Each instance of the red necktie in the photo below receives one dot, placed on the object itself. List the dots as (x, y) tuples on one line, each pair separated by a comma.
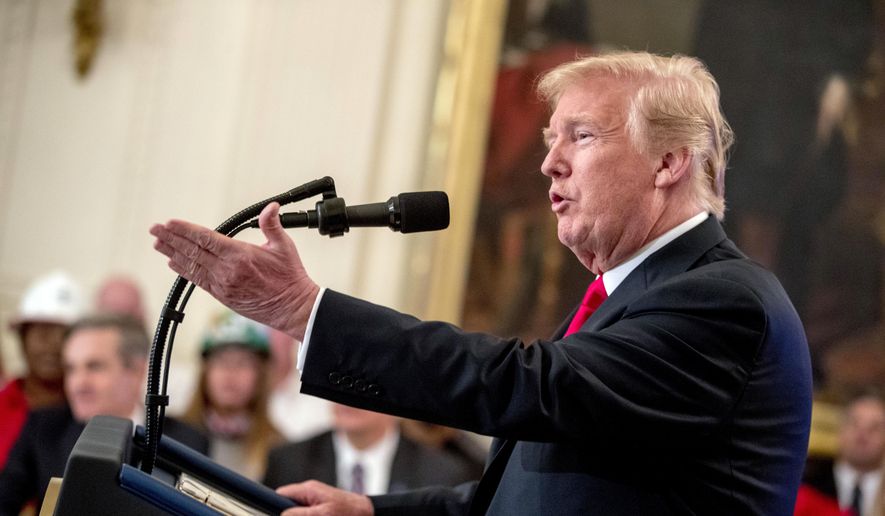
[(592, 299)]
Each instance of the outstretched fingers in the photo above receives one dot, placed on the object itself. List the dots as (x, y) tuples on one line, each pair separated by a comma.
[(191, 249), (265, 283), (194, 273)]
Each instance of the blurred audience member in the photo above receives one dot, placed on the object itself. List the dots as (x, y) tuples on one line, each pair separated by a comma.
[(879, 503), (105, 361), (451, 440), (366, 454), (50, 304), (298, 416), (120, 295), (230, 403), (853, 478)]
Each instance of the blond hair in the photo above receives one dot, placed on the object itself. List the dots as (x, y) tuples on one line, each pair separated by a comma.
[(676, 105)]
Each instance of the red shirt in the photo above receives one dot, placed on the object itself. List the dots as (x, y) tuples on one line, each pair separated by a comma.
[(13, 413)]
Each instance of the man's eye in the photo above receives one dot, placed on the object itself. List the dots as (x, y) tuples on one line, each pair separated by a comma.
[(582, 135)]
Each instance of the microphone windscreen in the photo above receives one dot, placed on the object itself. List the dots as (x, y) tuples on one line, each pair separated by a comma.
[(423, 211)]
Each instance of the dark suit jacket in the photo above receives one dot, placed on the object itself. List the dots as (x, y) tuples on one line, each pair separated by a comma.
[(42, 449), (687, 392), (413, 465)]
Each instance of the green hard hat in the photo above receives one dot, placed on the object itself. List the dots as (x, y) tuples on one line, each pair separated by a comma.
[(231, 329)]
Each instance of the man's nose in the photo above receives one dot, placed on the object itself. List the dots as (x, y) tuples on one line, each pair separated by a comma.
[(554, 164)]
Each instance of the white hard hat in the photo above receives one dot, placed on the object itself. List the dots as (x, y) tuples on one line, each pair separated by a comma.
[(53, 298)]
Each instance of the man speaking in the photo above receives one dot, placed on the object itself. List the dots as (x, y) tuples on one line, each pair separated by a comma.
[(680, 385)]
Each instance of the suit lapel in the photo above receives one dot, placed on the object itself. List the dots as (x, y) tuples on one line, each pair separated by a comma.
[(404, 466), (674, 258), (323, 462), (491, 477), (563, 326)]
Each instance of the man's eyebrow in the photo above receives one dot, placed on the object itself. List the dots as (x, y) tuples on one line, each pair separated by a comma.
[(579, 119)]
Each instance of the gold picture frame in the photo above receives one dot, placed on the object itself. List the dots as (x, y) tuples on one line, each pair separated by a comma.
[(456, 151)]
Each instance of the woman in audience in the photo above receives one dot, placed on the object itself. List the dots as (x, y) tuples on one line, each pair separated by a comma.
[(230, 402)]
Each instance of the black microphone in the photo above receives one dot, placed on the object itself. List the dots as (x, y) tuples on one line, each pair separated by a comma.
[(410, 212)]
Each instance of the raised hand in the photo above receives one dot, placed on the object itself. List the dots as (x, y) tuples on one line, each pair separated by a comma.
[(266, 283)]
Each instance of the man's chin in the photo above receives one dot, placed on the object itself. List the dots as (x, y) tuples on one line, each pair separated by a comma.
[(571, 239), (83, 414), (564, 233)]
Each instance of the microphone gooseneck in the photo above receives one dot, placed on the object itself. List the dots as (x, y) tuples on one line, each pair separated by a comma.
[(407, 212), (172, 315)]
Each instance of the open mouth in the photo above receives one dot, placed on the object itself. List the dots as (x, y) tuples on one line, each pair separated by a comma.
[(557, 202)]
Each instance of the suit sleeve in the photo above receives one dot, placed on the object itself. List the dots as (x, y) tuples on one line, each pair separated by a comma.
[(676, 359), (429, 501)]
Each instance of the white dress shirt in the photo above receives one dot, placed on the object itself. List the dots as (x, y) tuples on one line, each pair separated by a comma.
[(846, 477), (611, 279), (376, 461)]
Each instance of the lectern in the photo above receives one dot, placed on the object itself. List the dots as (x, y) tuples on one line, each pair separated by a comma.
[(102, 478)]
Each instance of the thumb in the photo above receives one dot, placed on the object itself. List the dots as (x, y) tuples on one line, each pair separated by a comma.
[(269, 222)]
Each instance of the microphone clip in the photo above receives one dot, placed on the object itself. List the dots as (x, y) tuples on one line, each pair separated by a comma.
[(331, 215)]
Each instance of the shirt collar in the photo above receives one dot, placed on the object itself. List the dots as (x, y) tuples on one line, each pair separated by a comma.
[(376, 461), (846, 477), (611, 279)]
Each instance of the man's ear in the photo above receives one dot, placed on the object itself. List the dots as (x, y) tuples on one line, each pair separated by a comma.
[(672, 167)]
